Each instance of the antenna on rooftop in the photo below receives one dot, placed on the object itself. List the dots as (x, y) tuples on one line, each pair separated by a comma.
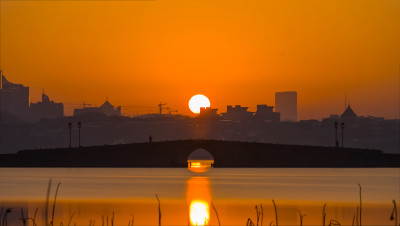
[(345, 99)]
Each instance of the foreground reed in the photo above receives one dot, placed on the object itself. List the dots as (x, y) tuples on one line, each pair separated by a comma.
[(356, 221)]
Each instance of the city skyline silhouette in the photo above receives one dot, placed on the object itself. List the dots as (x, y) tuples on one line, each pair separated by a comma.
[(139, 53), (199, 112)]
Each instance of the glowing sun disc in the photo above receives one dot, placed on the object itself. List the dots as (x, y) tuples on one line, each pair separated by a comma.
[(198, 101)]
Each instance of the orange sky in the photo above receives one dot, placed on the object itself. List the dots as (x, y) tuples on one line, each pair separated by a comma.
[(139, 53)]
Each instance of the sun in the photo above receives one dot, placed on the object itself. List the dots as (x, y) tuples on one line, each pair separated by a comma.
[(198, 101)]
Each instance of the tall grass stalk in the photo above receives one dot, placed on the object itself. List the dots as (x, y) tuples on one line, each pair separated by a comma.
[(5, 216), (46, 210), (1, 212), (301, 217), (159, 211), (23, 217), (334, 223), (54, 204), (393, 216), (34, 217), (216, 213), (357, 215), (276, 213), (323, 214), (249, 222), (257, 214), (70, 218), (360, 203)]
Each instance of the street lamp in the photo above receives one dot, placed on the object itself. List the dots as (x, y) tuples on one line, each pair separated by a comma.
[(336, 140), (342, 125), (70, 127), (79, 131)]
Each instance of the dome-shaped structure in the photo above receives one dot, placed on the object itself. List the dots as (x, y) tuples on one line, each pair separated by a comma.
[(199, 160), (200, 154)]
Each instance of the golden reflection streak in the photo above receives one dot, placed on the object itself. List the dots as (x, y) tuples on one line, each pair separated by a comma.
[(199, 166), (199, 198), (199, 213)]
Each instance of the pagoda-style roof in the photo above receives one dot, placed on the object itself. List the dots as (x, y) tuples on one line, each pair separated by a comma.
[(107, 105), (349, 113)]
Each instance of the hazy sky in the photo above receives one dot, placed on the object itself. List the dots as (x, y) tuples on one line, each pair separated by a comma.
[(139, 53)]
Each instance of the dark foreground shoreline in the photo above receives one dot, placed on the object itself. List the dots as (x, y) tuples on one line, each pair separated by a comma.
[(226, 154)]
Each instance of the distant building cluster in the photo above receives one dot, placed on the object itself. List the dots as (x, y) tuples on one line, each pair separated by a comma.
[(103, 125), (14, 104), (105, 109), (286, 110), (238, 113), (46, 109)]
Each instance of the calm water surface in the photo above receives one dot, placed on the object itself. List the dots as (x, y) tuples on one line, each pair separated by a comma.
[(90, 195)]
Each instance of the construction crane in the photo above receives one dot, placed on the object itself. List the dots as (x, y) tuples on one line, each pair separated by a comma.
[(160, 107), (83, 104), (171, 111), (138, 108)]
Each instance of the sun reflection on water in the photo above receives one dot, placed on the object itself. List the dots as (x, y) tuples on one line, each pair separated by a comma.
[(199, 213), (199, 198)]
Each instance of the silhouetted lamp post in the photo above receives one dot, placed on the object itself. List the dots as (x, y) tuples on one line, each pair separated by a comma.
[(336, 140), (342, 125), (79, 134), (70, 127)]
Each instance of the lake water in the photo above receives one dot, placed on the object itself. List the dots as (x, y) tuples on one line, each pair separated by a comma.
[(90, 196)]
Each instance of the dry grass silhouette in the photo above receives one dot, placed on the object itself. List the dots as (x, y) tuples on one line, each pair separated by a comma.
[(356, 220)]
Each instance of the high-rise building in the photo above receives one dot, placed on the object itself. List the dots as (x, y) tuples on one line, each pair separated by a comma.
[(14, 99), (237, 113), (207, 112), (46, 109), (286, 104), (266, 113)]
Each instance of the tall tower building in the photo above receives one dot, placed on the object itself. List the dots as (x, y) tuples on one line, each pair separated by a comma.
[(286, 104), (14, 99)]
